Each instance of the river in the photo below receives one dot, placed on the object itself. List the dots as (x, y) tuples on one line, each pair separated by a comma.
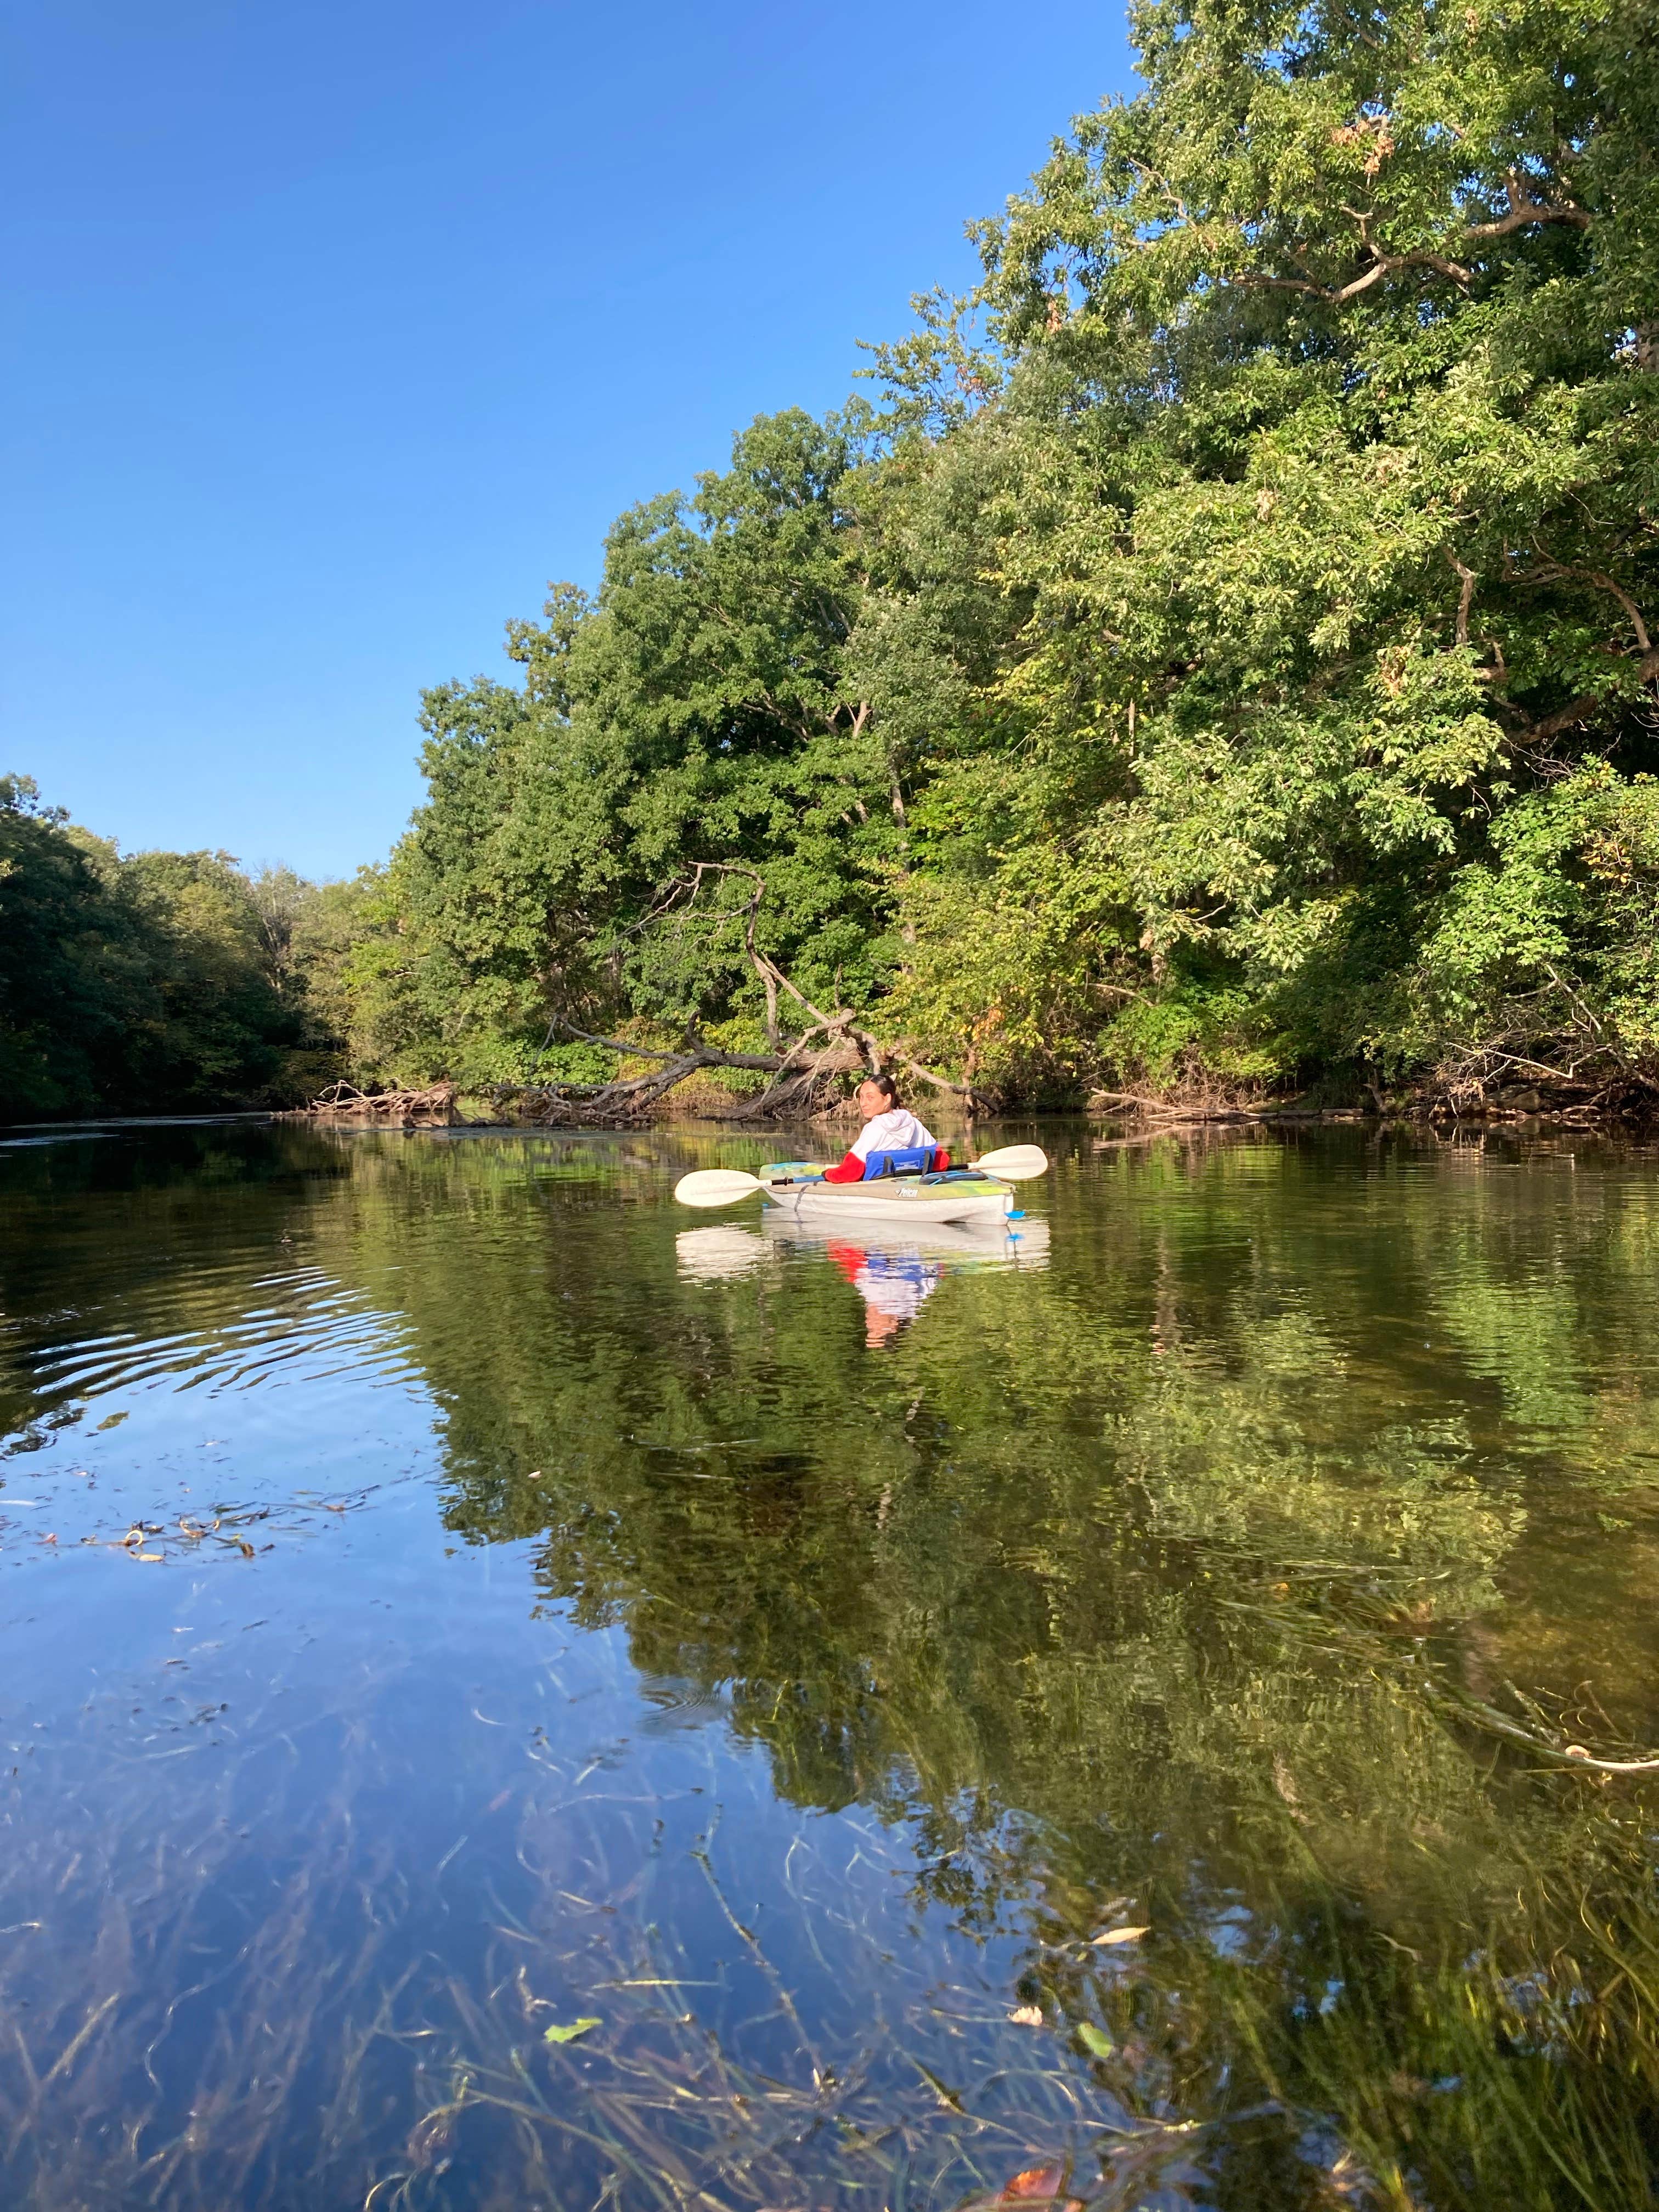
[(514, 1694)]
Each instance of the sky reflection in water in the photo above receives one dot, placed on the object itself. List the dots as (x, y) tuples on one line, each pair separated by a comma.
[(452, 1597)]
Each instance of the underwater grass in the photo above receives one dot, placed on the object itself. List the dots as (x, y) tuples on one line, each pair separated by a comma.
[(187, 2029)]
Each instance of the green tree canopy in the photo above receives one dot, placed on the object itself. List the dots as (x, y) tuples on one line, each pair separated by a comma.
[(160, 982), (1222, 655), (1321, 490), (1231, 659), (698, 709)]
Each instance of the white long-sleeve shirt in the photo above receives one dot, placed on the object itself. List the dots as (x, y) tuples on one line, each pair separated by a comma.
[(895, 1131)]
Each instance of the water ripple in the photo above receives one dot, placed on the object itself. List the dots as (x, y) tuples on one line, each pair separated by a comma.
[(300, 1325)]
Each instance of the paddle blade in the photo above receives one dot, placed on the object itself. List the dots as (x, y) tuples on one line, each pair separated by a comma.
[(1016, 1162), (714, 1187)]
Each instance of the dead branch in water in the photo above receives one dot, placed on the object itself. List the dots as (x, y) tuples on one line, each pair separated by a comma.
[(803, 1079), (432, 1108), (1188, 1105), (629, 1098)]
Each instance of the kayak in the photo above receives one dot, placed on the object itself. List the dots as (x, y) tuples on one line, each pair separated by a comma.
[(981, 1191), (798, 1188)]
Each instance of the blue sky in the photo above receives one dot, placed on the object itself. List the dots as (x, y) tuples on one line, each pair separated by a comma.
[(337, 330)]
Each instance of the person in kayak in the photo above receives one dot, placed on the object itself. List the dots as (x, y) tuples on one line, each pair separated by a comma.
[(889, 1127)]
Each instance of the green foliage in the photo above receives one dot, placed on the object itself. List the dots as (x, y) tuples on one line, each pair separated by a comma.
[(163, 983), (695, 711), (1326, 466), (59, 1017), (1557, 927), (1222, 656)]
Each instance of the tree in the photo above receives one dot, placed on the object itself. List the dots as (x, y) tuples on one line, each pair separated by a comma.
[(162, 982), (1323, 488), (698, 710), (1180, 675), (1223, 658), (60, 1014)]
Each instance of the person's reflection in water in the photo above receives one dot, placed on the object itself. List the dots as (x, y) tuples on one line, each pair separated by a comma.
[(891, 1283)]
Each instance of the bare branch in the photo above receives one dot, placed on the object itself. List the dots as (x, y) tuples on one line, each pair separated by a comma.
[(1464, 598), (1384, 265), (1591, 703), (1606, 584), (1525, 210), (1550, 571), (1587, 706)]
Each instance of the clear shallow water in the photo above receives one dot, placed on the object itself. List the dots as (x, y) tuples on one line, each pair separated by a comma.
[(447, 1592)]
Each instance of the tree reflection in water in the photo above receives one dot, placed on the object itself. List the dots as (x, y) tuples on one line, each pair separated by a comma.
[(806, 1715)]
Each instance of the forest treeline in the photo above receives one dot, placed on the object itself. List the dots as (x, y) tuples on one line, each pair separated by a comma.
[(1215, 655), (159, 982)]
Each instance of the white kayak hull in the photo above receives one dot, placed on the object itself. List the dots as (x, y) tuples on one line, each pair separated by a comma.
[(894, 1202)]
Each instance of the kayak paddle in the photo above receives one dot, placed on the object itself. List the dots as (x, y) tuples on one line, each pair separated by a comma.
[(1014, 1163), (715, 1187), (721, 1186)]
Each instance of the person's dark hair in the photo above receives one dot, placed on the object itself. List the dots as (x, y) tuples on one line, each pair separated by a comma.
[(886, 1085)]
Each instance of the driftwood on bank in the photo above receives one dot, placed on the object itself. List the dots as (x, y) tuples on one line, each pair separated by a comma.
[(1581, 1078), (1502, 1080), (432, 1108)]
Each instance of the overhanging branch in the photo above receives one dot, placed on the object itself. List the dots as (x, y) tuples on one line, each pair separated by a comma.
[(1525, 212), (834, 1043)]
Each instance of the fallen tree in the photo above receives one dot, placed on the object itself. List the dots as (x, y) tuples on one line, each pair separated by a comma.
[(806, 1069), (799, 1083), (804, 1075), (433, 1107)]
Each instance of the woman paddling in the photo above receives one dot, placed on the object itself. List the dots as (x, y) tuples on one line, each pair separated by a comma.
[(888, 1128)]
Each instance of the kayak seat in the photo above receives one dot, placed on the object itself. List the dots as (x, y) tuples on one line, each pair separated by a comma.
[(914, 1159)]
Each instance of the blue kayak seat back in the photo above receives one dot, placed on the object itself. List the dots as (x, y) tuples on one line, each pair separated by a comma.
[(915, 1159)]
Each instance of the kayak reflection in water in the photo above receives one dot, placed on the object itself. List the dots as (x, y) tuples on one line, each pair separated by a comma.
[(892, 1284), (893, 1275)]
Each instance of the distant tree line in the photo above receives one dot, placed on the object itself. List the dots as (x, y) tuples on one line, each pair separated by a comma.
[(1220, 653), (160, 982)]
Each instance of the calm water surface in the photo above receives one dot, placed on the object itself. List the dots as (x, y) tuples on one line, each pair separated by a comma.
[(996, 1722)]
